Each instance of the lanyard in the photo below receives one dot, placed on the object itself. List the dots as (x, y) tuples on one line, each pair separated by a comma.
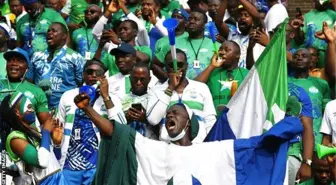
[(87, 39), (196, 54)]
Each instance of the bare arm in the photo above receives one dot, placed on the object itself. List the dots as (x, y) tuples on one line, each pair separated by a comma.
[(221, 26), (307, 137), (105, 126)]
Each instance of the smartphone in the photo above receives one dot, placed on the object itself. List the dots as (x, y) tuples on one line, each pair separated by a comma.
[(137, 106), (299, 12)]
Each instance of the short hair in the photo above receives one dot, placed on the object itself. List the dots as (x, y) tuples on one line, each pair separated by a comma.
[(64, 28), (205, 17), (178, 51), (141, 65), (235, 44), (134, 25), (94, 61)]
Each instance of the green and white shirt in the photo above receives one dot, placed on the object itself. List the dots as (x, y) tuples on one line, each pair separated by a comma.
[(319, 93), (75, 9), (33, 34), (196, 96)]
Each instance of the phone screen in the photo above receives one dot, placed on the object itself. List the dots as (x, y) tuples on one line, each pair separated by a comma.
[(137, 106)]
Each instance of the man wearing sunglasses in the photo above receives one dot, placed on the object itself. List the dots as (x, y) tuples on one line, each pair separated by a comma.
[(82, 38), (120, 83), (179, 89), (79, 148)]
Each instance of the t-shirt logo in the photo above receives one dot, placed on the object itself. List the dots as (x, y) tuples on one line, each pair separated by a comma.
[(193, 94), (313, 90)]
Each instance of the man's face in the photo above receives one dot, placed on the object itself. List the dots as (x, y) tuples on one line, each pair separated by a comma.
[(92, 14), (125, 32), (244, 21), (213, 7), (321, 172), (181, 62), (147, 6), (231, 55), (177, 120), (314, 57), (16, 67), (140, 78), (92, 73), (180, 19), (55, 36), (196, 22), (15, 7), (33, 9), (125, 62), (301, 59), (54, 4)]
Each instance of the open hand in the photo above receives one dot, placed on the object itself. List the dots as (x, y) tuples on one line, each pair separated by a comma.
[(110, 35), (113, 7), (216, 62), (261, 37), (327, 33), (103, 87)]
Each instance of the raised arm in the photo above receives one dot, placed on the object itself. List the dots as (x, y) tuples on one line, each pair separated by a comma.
[(105, 126), (221, 26)]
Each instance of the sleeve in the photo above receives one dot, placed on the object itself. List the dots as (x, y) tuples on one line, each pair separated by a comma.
[(161, 28), (18, 30), (142, 37), (42, 102), (157, 105), (116, 113), (307, 107), (209, 109), (326, 126), (67, 7), (79, 60), (147, 51), (97, 30), (31, 69)]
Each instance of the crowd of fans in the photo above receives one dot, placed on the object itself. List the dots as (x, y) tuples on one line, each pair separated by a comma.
[(116, 55)]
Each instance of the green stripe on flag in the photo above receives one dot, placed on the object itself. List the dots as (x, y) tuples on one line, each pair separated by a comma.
[(272, 64), (70, 118)]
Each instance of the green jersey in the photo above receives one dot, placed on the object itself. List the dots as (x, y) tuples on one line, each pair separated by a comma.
[(33, 33), (311, 182), (162, 46), (84, 42), (4, 9), (199, 53), (221, 83), (319, 94), (109, 60), (33, 92), (75, 9), (313, 23), (172, 5), (3, 62)]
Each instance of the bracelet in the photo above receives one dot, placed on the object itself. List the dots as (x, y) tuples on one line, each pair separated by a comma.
[(168, 92)]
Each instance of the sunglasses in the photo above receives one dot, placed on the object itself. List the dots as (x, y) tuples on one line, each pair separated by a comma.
[(179, 65), (97, 72), (91, 11)]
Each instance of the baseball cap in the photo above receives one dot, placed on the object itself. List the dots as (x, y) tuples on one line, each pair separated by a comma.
[(182, 12), (17, 52), (124, 48)]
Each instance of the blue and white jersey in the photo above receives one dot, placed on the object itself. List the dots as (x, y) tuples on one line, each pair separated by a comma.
[(62, 73), (83, 148)]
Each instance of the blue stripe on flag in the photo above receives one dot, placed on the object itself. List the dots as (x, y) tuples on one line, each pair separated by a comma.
[(265, 156), (67, 132), (221, 129), (195, 181)]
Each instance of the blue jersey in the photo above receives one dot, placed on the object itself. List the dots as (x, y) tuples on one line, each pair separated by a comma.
[(83, 147), (62, 73)]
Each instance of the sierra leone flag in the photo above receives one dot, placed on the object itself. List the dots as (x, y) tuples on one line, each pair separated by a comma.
[(128, 158), (261, 99)]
